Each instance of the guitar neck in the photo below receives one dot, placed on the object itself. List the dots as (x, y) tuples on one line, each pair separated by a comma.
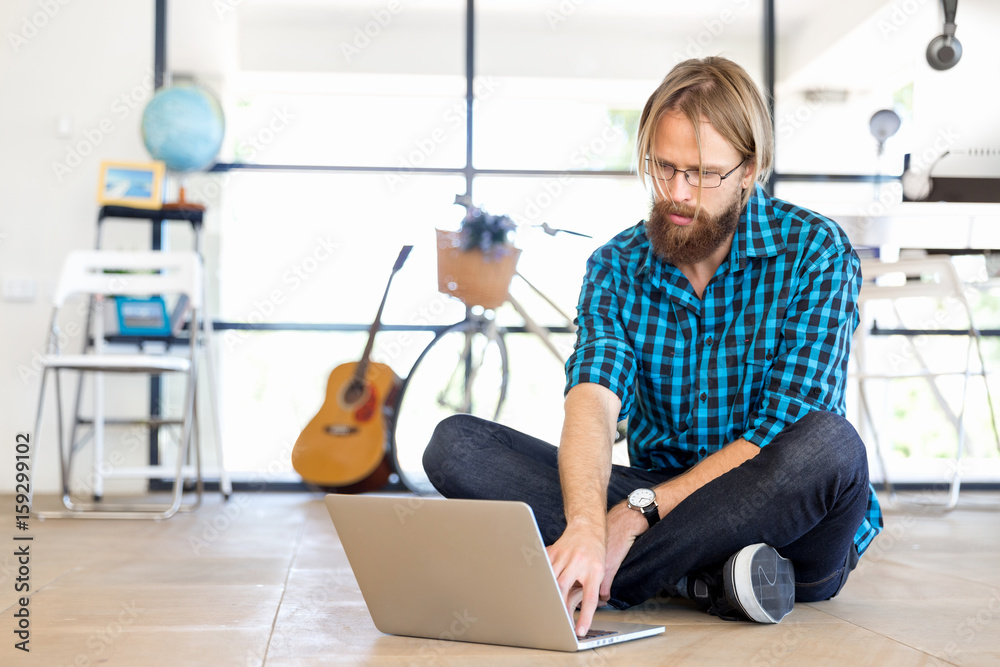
[(362, 368)]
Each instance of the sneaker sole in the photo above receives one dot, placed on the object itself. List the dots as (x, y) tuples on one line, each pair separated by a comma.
[(761, 582)]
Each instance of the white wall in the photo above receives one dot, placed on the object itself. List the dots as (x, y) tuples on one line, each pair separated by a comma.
[(92, 62)]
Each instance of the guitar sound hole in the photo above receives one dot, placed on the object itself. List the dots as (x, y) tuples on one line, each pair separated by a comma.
[(354, 391)]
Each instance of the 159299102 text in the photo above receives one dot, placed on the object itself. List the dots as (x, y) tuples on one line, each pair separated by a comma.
[(22, 542)]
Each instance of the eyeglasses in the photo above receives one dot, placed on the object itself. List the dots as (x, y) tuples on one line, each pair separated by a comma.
[(696, 178)]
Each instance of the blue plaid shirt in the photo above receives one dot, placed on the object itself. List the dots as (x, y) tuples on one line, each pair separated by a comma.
[(766, 344)]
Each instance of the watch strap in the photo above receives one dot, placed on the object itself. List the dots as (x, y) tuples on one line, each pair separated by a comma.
[(652, 514)]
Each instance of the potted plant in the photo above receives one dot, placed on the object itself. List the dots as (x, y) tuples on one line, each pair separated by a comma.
[(477, 262)]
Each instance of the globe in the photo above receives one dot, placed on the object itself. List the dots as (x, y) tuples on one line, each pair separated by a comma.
[(183, 126)]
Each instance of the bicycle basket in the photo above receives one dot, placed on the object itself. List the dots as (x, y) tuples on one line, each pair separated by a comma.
[(471, 276)]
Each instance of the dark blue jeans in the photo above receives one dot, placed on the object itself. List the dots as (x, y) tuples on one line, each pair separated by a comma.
[(804, 494)]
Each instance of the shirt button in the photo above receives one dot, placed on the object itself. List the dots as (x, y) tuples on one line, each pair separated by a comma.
[(768, 356), (703, 397), (702, 451), (708, 341)]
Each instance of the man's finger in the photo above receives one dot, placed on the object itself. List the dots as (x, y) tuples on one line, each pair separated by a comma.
[(565, 590), (575, 598), (587, 607)]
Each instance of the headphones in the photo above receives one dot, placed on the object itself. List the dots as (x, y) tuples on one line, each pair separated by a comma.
[(945, 51)]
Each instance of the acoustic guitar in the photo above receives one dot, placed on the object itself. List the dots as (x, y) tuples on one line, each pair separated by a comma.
[(344, 446)]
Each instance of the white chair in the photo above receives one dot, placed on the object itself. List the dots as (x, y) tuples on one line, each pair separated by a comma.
[(100, 275), (932, 277)]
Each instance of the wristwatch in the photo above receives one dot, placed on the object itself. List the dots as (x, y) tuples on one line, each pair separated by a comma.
[(644, 501)]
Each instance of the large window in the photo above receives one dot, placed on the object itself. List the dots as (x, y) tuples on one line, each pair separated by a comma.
[(349, 133), (358, 112)]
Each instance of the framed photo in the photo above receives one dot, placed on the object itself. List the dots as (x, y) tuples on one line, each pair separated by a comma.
[(142, 317), (138, 184)]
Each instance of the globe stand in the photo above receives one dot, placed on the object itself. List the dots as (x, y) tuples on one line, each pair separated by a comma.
[(182, 204)]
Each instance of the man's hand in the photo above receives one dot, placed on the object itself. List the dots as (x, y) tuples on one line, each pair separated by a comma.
[(624, 525), (578, 557), (578, 560)]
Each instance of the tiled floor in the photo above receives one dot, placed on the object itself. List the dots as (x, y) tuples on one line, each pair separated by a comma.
[(263, 580)]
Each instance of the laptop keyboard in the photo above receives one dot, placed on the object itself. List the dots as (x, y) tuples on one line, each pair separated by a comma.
[(593, 634)]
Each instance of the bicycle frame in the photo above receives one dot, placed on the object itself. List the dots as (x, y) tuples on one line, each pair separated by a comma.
[(543, 333)]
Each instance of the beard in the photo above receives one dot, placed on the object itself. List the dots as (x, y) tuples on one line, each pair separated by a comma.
[(692, 243)]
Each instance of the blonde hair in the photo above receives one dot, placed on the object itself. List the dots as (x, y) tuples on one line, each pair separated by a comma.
[(721, 92)]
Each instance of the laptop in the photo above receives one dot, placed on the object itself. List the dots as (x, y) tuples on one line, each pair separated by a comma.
[(462, 570)]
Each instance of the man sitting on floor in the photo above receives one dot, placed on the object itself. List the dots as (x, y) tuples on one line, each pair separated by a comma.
[(721, 328)]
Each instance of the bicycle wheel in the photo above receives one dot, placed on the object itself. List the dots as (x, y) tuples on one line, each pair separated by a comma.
[(463, 370)]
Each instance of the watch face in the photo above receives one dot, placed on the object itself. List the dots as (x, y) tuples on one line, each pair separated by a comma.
[(641, 497)]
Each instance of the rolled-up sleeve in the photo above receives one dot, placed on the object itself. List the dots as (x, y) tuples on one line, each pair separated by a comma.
[(603, 354), (809, 372)]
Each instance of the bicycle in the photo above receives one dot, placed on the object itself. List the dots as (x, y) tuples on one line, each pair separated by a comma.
[(473, 353)]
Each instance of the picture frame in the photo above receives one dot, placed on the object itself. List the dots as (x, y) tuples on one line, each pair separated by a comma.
[(142, 317), (136, 184)]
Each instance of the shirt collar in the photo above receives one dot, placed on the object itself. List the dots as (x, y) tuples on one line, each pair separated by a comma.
[(762, 230)]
